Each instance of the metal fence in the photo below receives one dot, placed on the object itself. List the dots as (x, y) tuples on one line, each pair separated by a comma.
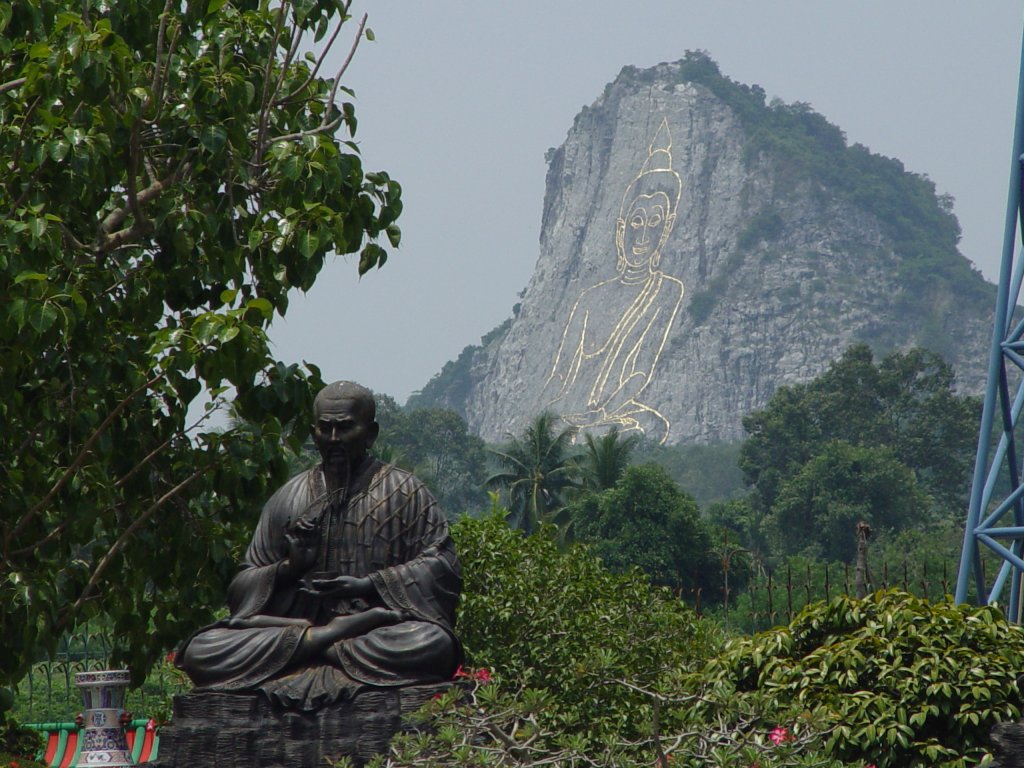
[(48, 692), (774, 597)]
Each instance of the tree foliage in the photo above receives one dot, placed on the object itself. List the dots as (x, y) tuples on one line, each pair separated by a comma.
[(537, 468), (921, 561), (820, 506), (646, 521), (708, 472), (605, 458), (436, 445), (495, 724), (889, 441), (170, 171), (561, 623), (891, 680), (894, 679)]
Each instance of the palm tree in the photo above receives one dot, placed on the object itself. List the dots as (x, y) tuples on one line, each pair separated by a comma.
[(605, 458), (536, 469)]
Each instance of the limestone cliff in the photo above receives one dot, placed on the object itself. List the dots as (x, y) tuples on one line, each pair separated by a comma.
[(698, 249)]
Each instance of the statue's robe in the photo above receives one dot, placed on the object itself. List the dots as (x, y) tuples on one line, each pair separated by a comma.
[(387, 527)]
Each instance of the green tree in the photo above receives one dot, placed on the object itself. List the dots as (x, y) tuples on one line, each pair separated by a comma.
[(494, 723), (746, 527), (709, 472), (936, 429), (605, 458), (820, 506), (536, 470), (584, 668), (646, 521), (859, 428), (782, 438), (171, 171), (436, 444)]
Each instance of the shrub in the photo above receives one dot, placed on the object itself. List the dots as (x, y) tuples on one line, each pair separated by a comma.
[(19, 745), (560, 623), (894, 680), (485, 725)]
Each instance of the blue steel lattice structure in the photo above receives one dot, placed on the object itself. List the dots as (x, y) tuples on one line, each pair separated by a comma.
[(995, 517)]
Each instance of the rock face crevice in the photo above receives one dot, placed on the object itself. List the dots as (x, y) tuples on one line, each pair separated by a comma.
[(783, 261)]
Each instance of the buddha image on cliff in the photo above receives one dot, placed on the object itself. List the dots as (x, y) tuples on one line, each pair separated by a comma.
[(607, 359)]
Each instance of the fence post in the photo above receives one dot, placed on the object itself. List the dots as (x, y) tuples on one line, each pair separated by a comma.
[(789, 593), (807, 586)]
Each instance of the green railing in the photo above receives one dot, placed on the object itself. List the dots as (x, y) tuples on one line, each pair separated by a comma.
[(48, 693)]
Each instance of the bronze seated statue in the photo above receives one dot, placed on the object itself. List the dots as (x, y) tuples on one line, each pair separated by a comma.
[(350, 580)]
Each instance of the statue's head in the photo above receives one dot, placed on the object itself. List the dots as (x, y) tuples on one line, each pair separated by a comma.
[(345, 424), (648, 209)]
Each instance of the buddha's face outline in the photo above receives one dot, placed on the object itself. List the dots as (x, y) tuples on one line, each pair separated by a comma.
[(640, 234)]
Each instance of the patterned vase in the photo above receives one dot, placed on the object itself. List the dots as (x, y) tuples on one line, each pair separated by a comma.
[(103, 740)]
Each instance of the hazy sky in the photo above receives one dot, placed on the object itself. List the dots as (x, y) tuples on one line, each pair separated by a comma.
[(460, 100)]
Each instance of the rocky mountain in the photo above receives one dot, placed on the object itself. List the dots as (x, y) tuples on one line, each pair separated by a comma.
[(699, 248)]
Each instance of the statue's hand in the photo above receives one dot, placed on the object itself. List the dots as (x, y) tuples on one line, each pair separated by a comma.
[(342, 586), (303, 540)]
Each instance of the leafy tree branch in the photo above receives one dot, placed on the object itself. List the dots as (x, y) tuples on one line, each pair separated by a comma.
[(142, 258)]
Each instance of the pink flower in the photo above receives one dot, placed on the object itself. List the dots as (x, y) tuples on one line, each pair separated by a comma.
[(482, 675), (169, 658), (150, 725), (779, 735)]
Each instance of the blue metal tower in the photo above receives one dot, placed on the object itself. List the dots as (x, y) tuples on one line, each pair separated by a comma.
[(996, 522)]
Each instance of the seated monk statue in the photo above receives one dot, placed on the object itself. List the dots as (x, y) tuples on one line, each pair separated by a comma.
[(351, 578)]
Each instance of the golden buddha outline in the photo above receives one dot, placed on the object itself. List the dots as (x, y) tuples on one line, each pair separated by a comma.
[(608, 369)]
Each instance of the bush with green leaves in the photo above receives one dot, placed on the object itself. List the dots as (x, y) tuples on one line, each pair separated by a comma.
[(560, 622), (491, 724), (596, 669), (894, 680), (18, 745)]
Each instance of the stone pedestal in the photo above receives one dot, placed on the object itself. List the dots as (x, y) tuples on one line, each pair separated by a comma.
[(246, 731)]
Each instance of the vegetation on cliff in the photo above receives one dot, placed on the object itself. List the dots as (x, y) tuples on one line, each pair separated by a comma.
[(803, 146)]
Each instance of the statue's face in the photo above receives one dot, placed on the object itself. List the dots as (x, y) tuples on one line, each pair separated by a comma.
[(344, 430), (645, 228)]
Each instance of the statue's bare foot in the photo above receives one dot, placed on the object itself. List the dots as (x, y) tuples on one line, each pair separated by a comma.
[(341, 627), (318, 639)]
